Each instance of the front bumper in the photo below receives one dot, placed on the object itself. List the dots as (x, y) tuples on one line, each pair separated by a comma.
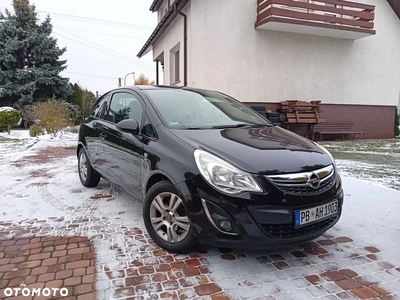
[(258, 221)]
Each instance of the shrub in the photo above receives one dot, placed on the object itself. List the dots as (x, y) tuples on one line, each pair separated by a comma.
[(52, 115), (396, 124), (26, 115), (35, 130), (8, 118)]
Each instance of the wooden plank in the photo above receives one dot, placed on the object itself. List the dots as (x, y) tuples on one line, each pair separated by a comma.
[(275, 11), (366, 15)]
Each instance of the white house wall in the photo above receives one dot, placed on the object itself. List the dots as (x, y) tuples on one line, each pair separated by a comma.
[(170, 38), (228, 54)]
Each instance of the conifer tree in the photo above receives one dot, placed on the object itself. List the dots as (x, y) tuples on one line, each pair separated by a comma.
[(29, 58)]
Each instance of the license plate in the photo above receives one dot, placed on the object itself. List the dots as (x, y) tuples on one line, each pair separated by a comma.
[(314, 214)]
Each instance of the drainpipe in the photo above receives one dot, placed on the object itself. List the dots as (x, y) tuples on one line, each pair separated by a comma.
[(184, 44)]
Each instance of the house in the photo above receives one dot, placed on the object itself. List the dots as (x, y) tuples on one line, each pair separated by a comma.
[(345, 54)]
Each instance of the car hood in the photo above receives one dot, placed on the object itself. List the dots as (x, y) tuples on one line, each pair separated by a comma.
[(263, 150)]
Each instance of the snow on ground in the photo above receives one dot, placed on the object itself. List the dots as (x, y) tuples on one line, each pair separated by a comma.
[(377, 162), (42, 195)]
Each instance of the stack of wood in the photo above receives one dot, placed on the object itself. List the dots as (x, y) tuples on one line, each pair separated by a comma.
[(302, 112)]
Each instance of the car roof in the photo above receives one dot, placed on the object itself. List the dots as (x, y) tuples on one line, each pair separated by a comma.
[(156, 87)]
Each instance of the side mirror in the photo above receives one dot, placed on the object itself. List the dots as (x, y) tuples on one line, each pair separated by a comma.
[(129, 125)]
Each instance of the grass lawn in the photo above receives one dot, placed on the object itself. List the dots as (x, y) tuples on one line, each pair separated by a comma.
[(376, 161)]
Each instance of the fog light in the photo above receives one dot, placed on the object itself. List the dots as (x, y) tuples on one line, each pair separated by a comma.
[(225, 225)]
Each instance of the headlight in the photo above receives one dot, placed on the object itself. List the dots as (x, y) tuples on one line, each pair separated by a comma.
[(223, 176)]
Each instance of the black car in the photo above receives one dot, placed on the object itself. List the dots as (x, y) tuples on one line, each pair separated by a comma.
[(209, 169)]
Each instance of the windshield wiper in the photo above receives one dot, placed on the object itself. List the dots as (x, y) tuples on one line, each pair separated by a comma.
[(239, 126), (194, 128)]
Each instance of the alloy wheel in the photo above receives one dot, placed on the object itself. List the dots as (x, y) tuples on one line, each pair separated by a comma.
[(169, 218), (83, 167)]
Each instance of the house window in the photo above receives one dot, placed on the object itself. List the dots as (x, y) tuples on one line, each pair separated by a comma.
[(176, 67)]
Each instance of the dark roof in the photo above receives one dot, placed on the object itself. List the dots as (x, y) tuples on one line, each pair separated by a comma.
[(155, 5), (395, 4), (171, 14), (162, 25)]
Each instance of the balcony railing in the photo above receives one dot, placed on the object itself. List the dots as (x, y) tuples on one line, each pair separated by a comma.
[(331, 14)]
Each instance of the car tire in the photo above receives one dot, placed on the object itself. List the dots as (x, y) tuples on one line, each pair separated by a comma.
[(88, 178), (161, 221)]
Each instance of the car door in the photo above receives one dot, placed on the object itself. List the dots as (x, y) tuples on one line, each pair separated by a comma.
[(121, 151), (92, 132)]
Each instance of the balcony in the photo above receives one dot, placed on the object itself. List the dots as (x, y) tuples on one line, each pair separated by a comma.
[(331, 18)]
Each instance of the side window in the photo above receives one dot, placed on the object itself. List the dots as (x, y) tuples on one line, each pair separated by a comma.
[(96, 108), (148, 129), (125, 106), (100, 107), (102, 111)]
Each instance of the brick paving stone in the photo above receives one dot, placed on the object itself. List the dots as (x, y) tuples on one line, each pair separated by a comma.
[(64, 274), (72, 281), (372, 249), (281, 265), (169, 295), (78, 264), (333, 276), (314, 279), (207, 289), (83, 289), (228, 256), (56, 268), (343, 239), (326, 242), (190, 271), (146, 270), (136, 280), (46, 277), (192, 262), (158, 277), (348, 284), (365, 293), (79, 272), (379, 288), (298, 254), (50, 261), (177, 265), (348, 273), (89, 278), (35, 263)]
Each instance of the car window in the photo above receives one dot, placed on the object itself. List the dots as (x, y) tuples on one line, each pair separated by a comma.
[(192, 109), (102, 111), (148, 129), (98, 105), (125, 106)]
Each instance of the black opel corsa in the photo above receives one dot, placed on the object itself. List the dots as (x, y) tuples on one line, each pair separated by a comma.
[(209, 169)]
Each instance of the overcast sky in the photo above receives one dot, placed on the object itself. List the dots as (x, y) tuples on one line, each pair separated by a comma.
[(98, 47)]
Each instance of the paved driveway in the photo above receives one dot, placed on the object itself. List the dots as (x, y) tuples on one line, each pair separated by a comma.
[(55, 233)]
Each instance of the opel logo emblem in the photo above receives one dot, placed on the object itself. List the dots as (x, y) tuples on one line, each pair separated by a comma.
[(314, 181)]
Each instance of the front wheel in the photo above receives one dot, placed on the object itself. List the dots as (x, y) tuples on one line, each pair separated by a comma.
[(86, 173), (166, 219)]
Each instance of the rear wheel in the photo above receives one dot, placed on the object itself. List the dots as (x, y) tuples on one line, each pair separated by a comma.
[(86, 173), (166, 219)]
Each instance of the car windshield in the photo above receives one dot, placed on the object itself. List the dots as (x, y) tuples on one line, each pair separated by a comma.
[(184, 109)]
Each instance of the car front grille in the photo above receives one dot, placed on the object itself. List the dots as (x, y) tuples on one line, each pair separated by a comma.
[(302, 184), (288, 231), (306, 190)]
